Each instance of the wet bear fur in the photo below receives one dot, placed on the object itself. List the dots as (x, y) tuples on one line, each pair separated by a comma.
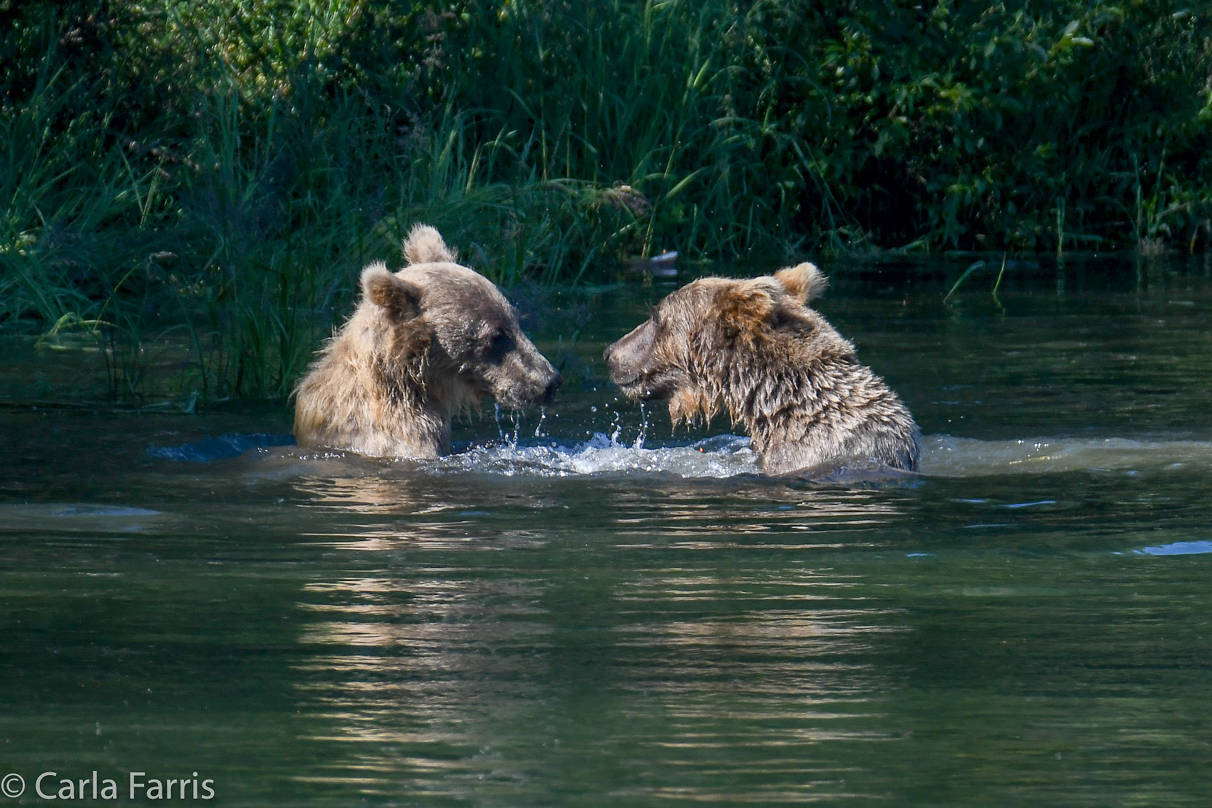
[(756, 349), (424, 343)]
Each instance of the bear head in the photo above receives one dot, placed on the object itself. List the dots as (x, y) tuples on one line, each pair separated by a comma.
[(449, 333), (705, 335)]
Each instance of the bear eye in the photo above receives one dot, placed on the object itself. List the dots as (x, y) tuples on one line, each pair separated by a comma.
[(502, 342)]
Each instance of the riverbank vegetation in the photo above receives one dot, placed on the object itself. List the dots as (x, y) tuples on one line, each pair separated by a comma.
[(219, 171)]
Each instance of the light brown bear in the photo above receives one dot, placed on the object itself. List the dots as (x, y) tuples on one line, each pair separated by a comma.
[(755, 348), (423, 344)]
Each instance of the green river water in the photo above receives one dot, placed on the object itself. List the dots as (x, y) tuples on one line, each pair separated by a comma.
[(583, 608)]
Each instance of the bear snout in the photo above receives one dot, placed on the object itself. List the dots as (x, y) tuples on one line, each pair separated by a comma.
[(546, 379), (627, 358), (528, 379), (552, 387), (620, 373)]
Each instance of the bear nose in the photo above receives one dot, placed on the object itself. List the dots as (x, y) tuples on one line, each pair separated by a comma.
[(552, 386)]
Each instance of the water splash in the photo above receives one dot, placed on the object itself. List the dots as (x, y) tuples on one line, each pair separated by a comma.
[(616, 426), (718, 457), (515, 419)]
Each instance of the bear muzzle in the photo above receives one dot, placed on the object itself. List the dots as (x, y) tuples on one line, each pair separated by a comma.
[(629, 357), (549, 392), (528, 380)]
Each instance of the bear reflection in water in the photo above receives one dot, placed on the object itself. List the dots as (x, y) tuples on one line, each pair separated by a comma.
[(756, 349), (424, 343), (462, 613)]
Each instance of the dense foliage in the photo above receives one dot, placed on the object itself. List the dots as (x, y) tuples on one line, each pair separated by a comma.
[(229, 165)]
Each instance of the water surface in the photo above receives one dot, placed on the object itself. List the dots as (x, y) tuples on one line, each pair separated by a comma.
[(584, 608)]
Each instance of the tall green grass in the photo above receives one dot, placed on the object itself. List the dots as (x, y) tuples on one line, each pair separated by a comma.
[(194, 186), (229, 255)]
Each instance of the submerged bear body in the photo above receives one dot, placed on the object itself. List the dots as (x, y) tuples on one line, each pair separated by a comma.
[(756, 349), (424, 343)]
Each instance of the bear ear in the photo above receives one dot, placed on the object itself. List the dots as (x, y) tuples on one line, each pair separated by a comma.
[(804, 282), (743, 309), (398, 297), (424, 245)]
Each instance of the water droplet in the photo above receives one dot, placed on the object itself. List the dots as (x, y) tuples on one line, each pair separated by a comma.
[(639, 441)]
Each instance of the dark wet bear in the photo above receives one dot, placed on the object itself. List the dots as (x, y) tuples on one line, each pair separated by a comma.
[(756, 349)]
